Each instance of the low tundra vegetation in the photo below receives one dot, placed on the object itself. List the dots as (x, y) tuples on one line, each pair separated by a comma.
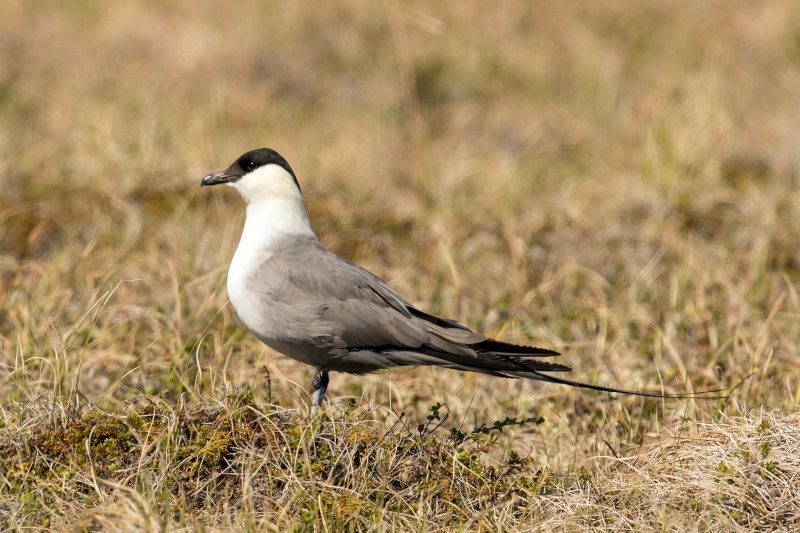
[(234, 463)]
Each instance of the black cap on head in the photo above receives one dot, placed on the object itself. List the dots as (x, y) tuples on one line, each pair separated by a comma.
[(247, 163)]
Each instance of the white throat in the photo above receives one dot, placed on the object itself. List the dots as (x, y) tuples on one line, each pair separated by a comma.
[(275, 212), (271, 219)]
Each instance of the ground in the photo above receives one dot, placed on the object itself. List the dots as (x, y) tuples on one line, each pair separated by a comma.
[(618, 182)]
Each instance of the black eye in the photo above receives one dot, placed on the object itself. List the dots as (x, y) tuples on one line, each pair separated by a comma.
[(249, 165)]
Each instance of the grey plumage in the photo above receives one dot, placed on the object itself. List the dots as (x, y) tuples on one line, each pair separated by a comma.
[(322, 310), (329, 313)]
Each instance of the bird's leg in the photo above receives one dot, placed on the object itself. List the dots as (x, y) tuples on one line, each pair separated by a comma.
[(320, 385)]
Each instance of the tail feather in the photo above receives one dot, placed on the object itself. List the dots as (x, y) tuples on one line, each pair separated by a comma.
[(501, 358), (571, 383), (455, 346)]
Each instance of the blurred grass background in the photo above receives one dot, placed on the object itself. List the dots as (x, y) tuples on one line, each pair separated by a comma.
[(618, 181)]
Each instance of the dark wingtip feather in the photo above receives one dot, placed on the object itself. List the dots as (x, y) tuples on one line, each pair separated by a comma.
[(506, 348)]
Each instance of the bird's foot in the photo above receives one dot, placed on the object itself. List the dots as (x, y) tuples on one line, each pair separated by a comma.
[(320, 385)]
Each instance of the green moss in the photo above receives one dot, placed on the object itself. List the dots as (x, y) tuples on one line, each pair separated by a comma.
[(103, 438)]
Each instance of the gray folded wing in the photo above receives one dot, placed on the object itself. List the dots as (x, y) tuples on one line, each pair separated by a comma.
[(364, 325)]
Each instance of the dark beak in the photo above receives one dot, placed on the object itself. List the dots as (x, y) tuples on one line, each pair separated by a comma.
[(217, 178)]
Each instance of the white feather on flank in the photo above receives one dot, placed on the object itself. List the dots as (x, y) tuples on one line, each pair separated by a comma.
[(274, 210)]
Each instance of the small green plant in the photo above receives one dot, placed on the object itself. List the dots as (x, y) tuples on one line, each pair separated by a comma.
[(764, 448), (768, 471), (725, 470)]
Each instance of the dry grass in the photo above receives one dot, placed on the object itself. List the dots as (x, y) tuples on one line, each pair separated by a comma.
[(616, 181), (231, 465)]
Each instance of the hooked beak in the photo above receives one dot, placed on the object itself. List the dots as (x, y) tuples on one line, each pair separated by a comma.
[(217, 178)]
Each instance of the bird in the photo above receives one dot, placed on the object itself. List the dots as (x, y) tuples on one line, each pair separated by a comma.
[(327, 312)]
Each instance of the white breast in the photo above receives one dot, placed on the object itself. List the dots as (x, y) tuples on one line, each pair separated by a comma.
[(269, 220)]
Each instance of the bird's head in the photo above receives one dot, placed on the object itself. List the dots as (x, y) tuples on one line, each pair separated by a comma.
[(258, 175)]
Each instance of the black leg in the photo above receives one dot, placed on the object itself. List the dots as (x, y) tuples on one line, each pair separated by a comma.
[(320, 385)]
